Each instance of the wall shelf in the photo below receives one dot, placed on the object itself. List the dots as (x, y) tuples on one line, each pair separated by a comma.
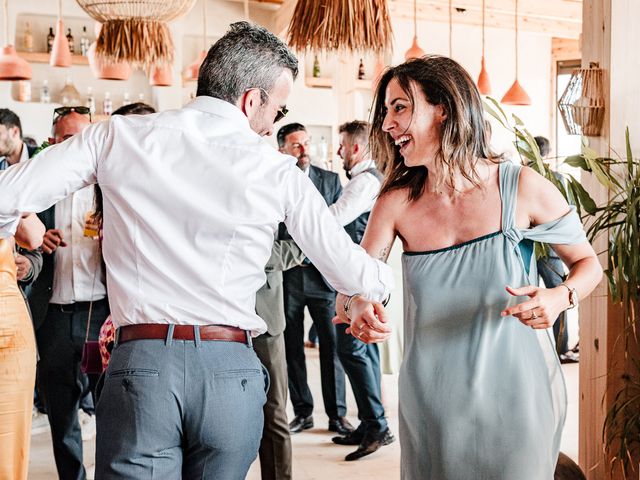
[(319, 82), (42, 57)]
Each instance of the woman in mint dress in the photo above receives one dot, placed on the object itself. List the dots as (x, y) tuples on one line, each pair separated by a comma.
[(481, 395)]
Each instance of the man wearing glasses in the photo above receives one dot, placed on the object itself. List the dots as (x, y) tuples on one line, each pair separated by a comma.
[(192, 200), (71, 285)]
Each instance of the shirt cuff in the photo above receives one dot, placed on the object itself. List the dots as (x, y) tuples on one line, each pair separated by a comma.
[(385, 284)]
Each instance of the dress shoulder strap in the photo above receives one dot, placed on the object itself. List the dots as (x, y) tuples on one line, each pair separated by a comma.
[(509, 177)]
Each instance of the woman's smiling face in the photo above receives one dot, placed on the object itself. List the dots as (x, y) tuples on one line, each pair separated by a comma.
[(415, 128)]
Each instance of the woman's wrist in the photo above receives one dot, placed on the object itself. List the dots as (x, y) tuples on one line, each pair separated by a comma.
[(348, 303)]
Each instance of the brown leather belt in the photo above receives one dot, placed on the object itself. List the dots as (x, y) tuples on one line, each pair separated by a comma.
[(158, 331)]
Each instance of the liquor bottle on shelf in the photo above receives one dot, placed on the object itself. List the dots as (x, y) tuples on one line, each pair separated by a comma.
[(45, 96), (361, 70), (24, 91), (69, 95), (125, 99), (27, 39), (91, 101), (107, 104), (141, 97), (72, 48), (316, 67), (50, 37), (84, 42)]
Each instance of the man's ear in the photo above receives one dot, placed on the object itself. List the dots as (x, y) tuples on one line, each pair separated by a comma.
[(250, 102), (356, 148)]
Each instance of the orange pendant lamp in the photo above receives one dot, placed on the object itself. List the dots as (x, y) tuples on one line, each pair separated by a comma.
[(193, 70), (415, 51), (516, 95), (60, 54), (161, 76), (12, 67), (484, 85)]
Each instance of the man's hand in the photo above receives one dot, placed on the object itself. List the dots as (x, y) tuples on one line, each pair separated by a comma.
[(23, 266), (52, 240), (368, 321)]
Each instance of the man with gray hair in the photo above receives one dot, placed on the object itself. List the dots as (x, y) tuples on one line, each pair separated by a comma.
[(192, 201)]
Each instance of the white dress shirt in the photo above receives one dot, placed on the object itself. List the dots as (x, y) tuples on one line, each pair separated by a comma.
[(192, 200), (77, 274), (359, 195)]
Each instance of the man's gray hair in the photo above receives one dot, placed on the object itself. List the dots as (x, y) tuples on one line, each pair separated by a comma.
[(247, 56)]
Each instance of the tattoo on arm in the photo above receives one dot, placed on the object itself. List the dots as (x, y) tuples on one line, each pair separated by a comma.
[(383, 254)]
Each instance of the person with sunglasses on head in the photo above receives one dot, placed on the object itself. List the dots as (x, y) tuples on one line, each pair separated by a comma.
[(192, 202), (70, 286)]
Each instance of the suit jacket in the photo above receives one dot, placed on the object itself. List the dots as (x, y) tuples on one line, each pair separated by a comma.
[(285, 254), (306, 279), (42, 287)]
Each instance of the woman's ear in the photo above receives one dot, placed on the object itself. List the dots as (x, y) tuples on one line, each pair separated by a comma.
[(441, 113)]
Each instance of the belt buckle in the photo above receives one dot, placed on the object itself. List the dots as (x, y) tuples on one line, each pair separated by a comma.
[(67, 308)]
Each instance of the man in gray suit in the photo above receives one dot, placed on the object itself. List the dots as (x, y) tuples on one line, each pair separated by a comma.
[(275, 446)]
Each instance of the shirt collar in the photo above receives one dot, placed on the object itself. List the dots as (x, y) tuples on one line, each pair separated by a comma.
[(361, 167), (219, 107)]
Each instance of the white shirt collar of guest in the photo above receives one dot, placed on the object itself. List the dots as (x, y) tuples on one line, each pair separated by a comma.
[(219, 107), (362, 166)]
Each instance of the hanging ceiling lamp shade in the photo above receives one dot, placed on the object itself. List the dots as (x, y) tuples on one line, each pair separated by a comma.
[(516, 94), (484, 85), (12, 67), (193, 70), (60, 54), (582, 103), (415, 51), (340, 25), (161, 76), (135, 31), (106, 70)]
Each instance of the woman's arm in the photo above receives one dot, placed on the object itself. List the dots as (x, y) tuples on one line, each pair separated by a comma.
[(30, 232), (540, 202)]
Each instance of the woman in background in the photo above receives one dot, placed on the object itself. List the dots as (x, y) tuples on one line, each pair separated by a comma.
[(17, 355)]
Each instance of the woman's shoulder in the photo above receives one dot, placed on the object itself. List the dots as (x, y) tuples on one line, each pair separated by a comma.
[(541, 198)]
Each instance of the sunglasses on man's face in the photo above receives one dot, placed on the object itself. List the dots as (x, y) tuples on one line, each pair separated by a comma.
[(62, 111), (281, 112)]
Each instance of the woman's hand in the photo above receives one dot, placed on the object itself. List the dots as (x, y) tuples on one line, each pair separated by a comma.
[(542, 308), (368, 321)]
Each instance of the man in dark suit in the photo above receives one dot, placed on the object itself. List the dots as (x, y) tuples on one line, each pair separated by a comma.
[(275, 446), (304, 286), (70, 285)]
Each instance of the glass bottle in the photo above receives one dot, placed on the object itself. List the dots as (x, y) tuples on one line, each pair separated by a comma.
[(316, 67), (24, 91), (45, 96), (84, 42), (69, 95), (126, 100), (141, 97), (91, 101), (27, 40), (107, 104), (361, 70), (72, 48), (50, 37)]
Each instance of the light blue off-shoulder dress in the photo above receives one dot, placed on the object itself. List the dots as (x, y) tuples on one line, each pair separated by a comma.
[(481, 396)]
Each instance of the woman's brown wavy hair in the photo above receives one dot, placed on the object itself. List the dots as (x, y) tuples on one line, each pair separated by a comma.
[(464, 137)]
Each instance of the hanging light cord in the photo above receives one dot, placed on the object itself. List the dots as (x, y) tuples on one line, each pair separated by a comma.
[(482, 28), (415, 18), (204, 25), (246, 10), (59, 9), (5, 7), (516, 39), (450, 28)]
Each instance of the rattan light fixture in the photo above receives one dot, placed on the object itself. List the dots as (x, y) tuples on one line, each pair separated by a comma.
[(582, 103), (340, 25), (135, 31)]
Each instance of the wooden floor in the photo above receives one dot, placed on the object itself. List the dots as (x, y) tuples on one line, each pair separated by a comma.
[(315, 457)]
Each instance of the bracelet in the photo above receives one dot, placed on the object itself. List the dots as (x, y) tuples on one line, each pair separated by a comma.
[(347, 304), (386, 300)]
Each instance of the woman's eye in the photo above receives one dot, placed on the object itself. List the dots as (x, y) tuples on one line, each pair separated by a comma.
[(398, 108)]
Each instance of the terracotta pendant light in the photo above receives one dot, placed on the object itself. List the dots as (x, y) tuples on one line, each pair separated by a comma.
[(161, 76), (60, 54), (484, 85), (12, 67), (193, 70), (415, 51), (102, 69), (516, 94)]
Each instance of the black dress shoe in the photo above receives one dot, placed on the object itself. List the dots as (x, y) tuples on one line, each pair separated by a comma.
[(353, 438), (340, 425), (300, 423), (371, 443)]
